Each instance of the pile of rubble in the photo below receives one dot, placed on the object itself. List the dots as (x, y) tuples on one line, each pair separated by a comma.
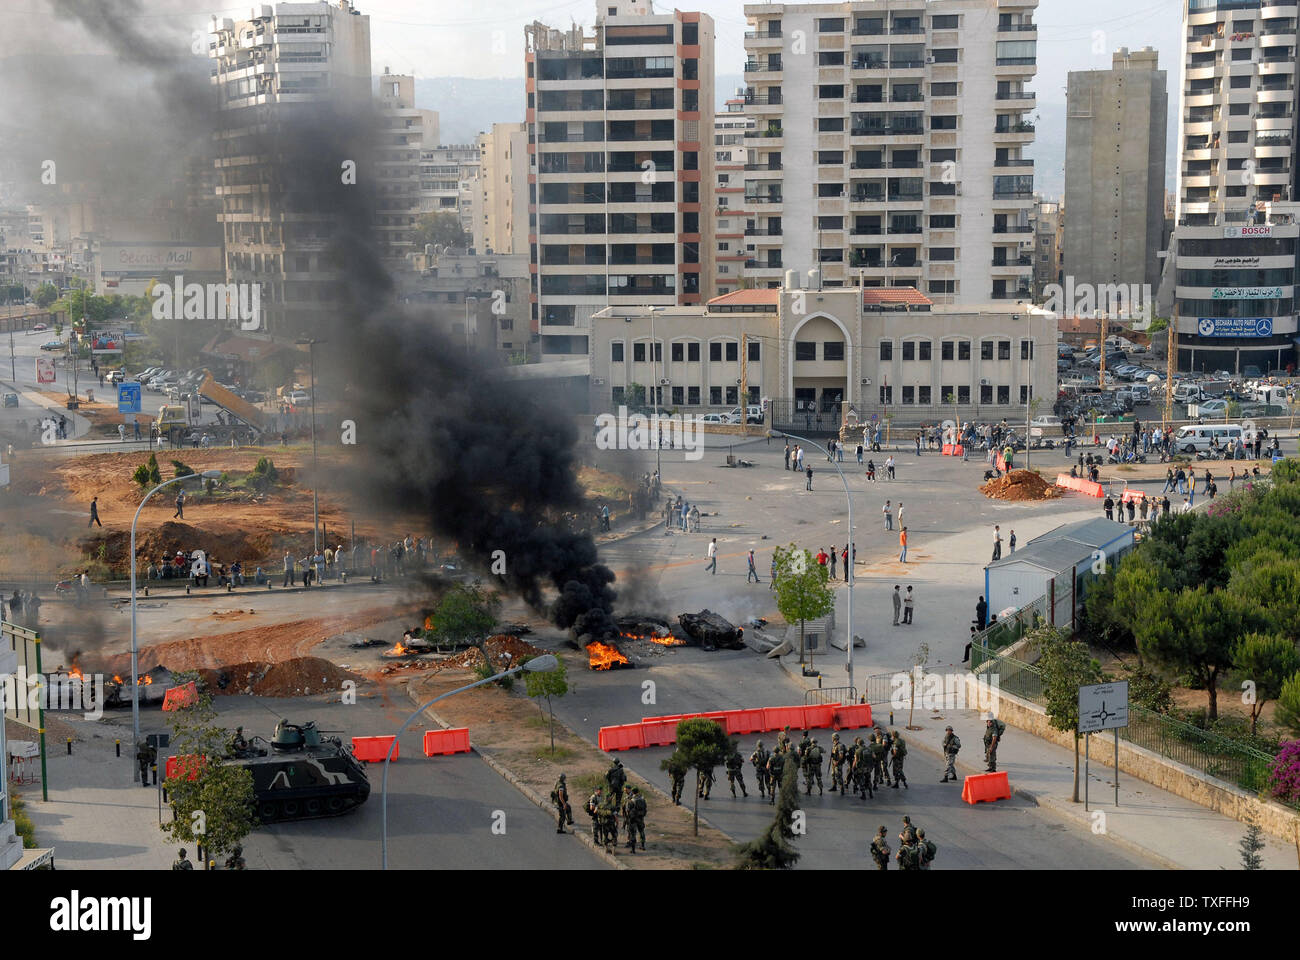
[(301, 676), (1020, 485)]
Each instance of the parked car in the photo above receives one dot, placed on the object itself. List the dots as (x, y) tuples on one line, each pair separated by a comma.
[(754, 414), (715, 418), (11, 400), (299, 398), (40, 326), (52, 345), (1250, 371), (1196, 438), (1207, 408)]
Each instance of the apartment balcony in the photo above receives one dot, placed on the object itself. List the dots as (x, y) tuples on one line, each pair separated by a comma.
[(867, 165), (768, 198), (867, 197), (1013, 228), (867, 63), (1024, 260), (764, 232), (763, 66), (770, 133), (1016, 293), (764, 166), (762, 100), (1014, 162), (869, 32), (760, 38), (1017, 28), (1016, 95), (867, 98), (771, 263)]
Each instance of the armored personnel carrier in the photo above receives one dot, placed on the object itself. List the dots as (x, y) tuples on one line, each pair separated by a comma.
[(301, 775)]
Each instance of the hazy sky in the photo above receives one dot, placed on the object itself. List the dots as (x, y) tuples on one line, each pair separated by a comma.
[(484, 38)]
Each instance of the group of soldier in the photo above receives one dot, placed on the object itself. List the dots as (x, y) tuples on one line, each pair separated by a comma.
[(915, 852), (862, 764), (605, 806)]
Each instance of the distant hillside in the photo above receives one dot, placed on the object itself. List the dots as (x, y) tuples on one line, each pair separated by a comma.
[(468, 106)]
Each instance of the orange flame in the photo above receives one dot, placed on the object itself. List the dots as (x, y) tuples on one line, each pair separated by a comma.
[(428, 623), (75, 671), (397, 650), (663, 639), (146, 680), (602, 656), (116, 678)]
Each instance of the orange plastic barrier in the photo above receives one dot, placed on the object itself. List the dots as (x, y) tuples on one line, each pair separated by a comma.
[(623, 737), (999, 463), (819, 716), (674, 717), (659, 733), (439, 743), (852, 716), (745, 721), (1128, 495), (1086, 487), (374, 749), (189, 762), (947, 449), (178, 697), (985, 787), (777, 718), (958, 450)]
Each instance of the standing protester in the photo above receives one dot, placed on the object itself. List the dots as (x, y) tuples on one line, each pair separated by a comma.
[(808, 474), (180, 505), (982, 613), (902, 543), (833, 558), (898, 603), (951, 744), (94, 512), (900, 513), (712, 565), (753, 571), (907, 606), (1011, 541), (997, 542), (887, 510), (889, 467)]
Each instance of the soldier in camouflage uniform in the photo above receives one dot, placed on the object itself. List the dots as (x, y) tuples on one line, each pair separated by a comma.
[(908, 833), (560, 797), (804, 743), (812, 767), (950, 747), (775, 770), (759, 759), (899, 753), (634, 810), (607, 814), (616, 777), (236, 859), (926, 850), (705, 784), (839, 754), (736, 772), (883, 739), (783, 738), (593, 810), (863, 761), (880, 850), (909, 856), (677, 771)]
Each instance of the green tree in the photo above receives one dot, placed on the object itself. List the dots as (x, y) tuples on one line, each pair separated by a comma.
[(1266, 662), (46, 294), (553, 683), (702, 745), (440, 229), (773, 849), (1270, 583), (1287, 713), (212, 800), (464, 614), (1192, 632), (1148, 689), (148, 474), (1250, 846), (801, 591), (1066, 665), (180, 469)]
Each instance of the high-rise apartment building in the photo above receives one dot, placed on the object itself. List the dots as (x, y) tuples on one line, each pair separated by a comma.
[(729, 215), (448, 176), (407, 130), (501, 201), (1116, 127), (1049, 221), (282, 59), (889, 144), (622, 166), (1235, 250)]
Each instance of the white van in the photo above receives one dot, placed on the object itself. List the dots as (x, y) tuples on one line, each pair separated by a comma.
[(1196, 439), (1187, 392)]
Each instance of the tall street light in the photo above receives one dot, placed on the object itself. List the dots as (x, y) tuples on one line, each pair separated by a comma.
[(654, 364), (315, 499), (848, 666), (1029, 387), (543, 664), (135, 648), (468, 301)]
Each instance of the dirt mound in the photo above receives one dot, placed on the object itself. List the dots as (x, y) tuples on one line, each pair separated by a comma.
[(222, 544), (503, 643), (1020, 485), (297, 677)]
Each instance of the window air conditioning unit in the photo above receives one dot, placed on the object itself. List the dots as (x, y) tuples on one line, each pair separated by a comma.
[(866, 381), (929, 59), (664, 382), (985, 383), (598, 382)]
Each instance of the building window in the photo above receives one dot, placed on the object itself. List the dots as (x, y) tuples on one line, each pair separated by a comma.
[(986, 393), (947, 394), (1004, 349), (715, 353), (679, 396), (752, 348), (692, 396), (909, 395), (886, 395), (830, 59), (886, 350), (1004, 395), (830, 25), (733, 351), (945, 350), (923, 396), (945, 22), (986, 350), (616, 353), (833, 350), (923, 350), (963, 349), (1024, 395), (638, 353), (678, 352), (715, 396), (963, 394), (941, 286), (733, 394), (1026, 349), (830, 124), (616, 395), (947, 254), (693, 353), (805, 350), (909, 350)]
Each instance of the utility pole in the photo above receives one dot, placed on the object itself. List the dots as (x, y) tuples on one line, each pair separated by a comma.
[(744, 384), (1101, 370), (1171, 364)]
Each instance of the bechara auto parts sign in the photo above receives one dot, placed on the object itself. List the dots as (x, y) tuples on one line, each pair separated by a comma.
[(1235, 326)]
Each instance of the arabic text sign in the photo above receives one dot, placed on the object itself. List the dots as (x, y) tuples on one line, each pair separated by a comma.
[(1245, 293), (1103, 706), (1235, 326)]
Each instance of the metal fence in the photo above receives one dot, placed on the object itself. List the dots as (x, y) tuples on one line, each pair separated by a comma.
[(1214, 755), (822, 695), (1003, 633)]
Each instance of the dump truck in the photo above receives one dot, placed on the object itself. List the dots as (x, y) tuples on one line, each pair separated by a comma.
[(241, 409)]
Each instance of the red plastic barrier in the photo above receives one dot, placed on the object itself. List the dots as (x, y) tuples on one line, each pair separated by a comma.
[(178, 697), (745, 721), (852, 716), (1086, 487), (958, 450), (439, 743), (718, 716), (674, 717), (623, 737), (986, 787), (1128, 495), (186, 761), (659, 733), (777, 718), (819, 716), (947, 450), (374, 749)]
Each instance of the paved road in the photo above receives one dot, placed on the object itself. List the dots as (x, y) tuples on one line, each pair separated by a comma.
[(440, 814)]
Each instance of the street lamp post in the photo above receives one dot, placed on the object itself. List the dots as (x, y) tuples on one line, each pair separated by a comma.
[(543, 664), (1029, 387), (135, 648), (315, 499), (654, 363), (469, 300), (848, 666)]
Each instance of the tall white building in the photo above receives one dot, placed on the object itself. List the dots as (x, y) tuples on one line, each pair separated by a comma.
[(618, 126), (889, 144), (448, 176), (407, 130), (280, 59), (1236, 238), (730, 214), (501, 201)]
